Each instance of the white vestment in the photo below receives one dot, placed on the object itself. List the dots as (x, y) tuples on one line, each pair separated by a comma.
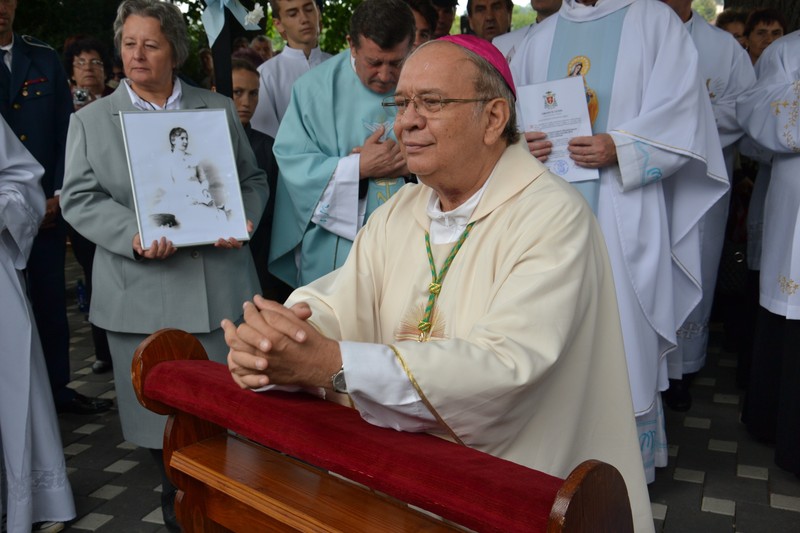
[(659, 112), (670, 172), (508, 43), (769, 114), (726, 71), (33, 469), (278, 74), (525, 359)]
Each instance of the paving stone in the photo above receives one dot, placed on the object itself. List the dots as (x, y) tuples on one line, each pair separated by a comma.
[(690, 521), (787, 503), (691, 476), (697, 423), (98, 458), (135, 503), (120, 466), (91, 522), (85, 481), (659, 511), (728, 486), (75, 448), (672, 450), (108, 492), (704, 382), (695, 458), (753, 472), (753, 518), (725, 446), (783, 482), (755, 453), (728, 399), (675, 494), (130, 525), (719, 506), (88, 429), (155, 516)]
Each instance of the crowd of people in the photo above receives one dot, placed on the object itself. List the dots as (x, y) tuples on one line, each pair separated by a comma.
[(404, 227)]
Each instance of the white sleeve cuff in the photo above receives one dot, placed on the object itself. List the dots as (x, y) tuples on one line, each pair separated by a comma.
[(381, 390), (338, 208)]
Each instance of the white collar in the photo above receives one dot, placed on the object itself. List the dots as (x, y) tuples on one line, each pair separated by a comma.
[(173, 102), (447, 226), (578, 12)]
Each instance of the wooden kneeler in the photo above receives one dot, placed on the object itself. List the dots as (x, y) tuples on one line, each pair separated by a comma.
[(276, 461)]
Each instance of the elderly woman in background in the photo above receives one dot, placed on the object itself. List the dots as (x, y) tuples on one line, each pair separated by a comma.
[(138, 290), (89, 66)]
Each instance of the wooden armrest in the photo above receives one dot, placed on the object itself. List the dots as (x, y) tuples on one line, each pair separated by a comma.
[(462, 485)]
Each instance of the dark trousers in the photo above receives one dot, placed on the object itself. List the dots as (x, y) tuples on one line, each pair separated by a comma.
[(772, 405), (46, 288), (84, 249)]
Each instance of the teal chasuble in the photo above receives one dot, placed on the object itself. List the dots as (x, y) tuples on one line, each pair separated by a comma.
[(330, 113), (589, 50)]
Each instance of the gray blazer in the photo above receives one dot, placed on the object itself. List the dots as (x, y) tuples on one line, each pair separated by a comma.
[(197, 286)]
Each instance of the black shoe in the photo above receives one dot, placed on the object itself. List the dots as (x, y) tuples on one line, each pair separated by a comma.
[(168, 511), (101, 367), (83, 405), (677, 397)]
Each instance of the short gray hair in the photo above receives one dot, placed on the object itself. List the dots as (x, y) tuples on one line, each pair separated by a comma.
[(173, 26)]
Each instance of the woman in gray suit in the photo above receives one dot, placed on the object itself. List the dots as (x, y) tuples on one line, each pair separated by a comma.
[(138, 291)]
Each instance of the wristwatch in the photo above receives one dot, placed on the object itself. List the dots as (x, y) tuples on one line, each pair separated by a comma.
[(338, 382)]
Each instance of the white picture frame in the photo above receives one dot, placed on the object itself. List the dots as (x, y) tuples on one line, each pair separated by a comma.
[(184, 177)]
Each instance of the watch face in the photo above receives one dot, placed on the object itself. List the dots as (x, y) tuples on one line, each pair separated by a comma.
[(339, 384)]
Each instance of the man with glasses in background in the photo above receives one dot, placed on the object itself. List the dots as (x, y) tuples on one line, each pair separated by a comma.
[(336, 158)]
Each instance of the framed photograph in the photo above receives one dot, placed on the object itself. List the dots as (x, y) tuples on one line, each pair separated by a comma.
[(184, 177)]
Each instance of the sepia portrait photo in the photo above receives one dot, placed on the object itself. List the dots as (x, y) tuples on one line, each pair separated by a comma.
[(185, 183)]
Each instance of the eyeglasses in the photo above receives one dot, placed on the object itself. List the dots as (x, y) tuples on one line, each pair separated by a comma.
[(425, 104), (92, 63)]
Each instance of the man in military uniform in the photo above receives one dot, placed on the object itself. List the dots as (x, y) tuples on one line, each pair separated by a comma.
[(35, 100)]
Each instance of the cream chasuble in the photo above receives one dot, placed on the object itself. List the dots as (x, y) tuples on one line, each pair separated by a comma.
[(525, 359)]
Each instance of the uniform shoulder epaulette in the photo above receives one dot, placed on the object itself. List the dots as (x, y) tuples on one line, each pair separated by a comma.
[(33, 41)]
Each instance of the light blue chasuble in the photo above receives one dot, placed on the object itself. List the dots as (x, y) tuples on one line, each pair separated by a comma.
[(329, 114), (589, 49)]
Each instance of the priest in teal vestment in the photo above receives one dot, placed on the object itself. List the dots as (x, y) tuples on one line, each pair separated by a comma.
[(335, 148)]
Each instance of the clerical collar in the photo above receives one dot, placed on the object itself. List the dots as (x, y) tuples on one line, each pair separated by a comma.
[(447, 226), (173, 102)]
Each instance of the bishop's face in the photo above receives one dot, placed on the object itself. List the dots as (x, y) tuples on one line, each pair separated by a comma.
[(443, 146)]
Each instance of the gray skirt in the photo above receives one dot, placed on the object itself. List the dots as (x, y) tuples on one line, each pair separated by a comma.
[(140, 426)]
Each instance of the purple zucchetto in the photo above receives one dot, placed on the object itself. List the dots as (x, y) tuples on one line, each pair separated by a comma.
[(486, 50)]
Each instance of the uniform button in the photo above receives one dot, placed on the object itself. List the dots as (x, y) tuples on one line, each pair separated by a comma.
[(23, 137), (195, 254), (17, 106)]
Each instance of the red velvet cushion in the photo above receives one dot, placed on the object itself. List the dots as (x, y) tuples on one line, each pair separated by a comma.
[(467, 486)]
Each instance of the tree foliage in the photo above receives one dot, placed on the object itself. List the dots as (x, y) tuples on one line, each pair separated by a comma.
[(705, 8)]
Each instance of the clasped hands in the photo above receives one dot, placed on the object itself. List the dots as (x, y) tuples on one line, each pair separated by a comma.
[(594, 151), (276, 345)]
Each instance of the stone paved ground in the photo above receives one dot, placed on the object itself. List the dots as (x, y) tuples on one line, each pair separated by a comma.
[(718, 479)]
